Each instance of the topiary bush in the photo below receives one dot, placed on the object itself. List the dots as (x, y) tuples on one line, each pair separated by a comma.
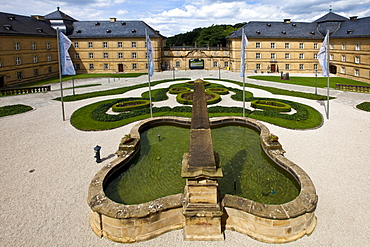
[(186, 98), (177, 90), (271, 105), (130, 105), (218, 90)]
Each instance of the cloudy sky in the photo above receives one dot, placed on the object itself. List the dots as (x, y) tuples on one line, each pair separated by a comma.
[(172, 17)]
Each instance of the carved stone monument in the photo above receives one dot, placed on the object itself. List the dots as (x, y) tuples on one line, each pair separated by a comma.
[(200, 166)]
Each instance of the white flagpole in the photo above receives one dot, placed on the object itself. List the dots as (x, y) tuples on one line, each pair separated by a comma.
[(328, 83), (243, 67), (60, 76), (149, 65)]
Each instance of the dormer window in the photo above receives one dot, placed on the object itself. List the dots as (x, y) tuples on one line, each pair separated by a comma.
[(283, 32), (294, 25), (97, 23), (133, 31), (312, 32), (11, 17), (258, 32), (268, 24), (8, 27), (349, 31), (39, 29), (123, 23), (109, 31), (78, 31)]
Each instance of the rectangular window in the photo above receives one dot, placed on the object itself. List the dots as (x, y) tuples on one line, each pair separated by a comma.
[(18, 61), (49, 57), (343, 46), (226, 64), (287, 45), (106, 66), (77, 55), (17, 46), (315, 66), (331, 57), (357, 47), (1, 64), (90, 44), (215, 64), (36, 72), (133, 44), (316, 46), (19, 75), (357, 59), (343, 70), (258, 66), (133, 55), (272, 45), (301, 66), (146, 55), (301, 45), (258, 45), (357, 72), (134, 66), (120, 55), (50, 70), (34, 46), (35, 59), (331, 46), (48, 45), (258, 55), (177, 64), (343, 58), (78, 66), (119, 45), (287, 66), (287, 56), (273, 55), (75, 44), (105, 55), (105, 44), (301, 56), (91, 55), (91, 66), (315, 56)]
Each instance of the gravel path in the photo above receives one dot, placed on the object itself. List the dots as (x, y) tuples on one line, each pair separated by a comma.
[(47, 166)]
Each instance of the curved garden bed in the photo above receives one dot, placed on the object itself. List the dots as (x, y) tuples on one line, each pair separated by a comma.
[(186, 98), (130, 105), (271, 105)]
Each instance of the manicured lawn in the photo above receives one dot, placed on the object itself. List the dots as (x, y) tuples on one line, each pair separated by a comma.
[(14, 109), (365, 106), (311, 81)]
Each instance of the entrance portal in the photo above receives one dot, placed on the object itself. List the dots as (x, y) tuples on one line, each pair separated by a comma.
[(120, 67), (196, 63)]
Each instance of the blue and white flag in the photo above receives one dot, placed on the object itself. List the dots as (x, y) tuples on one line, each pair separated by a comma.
[(322, 56), (150, 55), (242, 53), (67, 65)]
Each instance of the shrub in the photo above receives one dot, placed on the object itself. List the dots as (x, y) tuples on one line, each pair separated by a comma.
[(130, 105), (186, 98), (271, 105), (177, 90), (218, 90)]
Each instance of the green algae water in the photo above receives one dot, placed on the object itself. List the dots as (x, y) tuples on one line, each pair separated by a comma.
[(248, 171)]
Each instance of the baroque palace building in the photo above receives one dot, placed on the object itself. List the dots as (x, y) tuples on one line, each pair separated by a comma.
[(29, 51)]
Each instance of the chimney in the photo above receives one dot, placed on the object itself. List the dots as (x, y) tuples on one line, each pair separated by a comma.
[(113, 19), (286, 20), (38, 17), (352, 18)]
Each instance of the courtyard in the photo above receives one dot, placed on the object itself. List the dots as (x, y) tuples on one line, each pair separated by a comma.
[(47, 166)]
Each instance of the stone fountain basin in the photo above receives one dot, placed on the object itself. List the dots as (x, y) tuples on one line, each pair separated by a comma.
[(268, 223)]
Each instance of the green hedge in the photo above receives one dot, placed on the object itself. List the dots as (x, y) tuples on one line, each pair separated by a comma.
[(159, 94), (218, 90), (130, 105), (271, 105), (215, 99), (177, 90)]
